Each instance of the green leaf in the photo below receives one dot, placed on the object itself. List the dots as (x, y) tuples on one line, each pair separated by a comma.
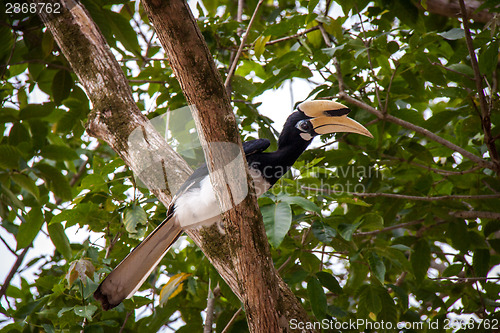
[(488, 59), (373, 221), (61, 86), (369, 299), (453, 270), (317, 298), (377, 266), (18, 134), (86, 311), (94, 182), (421, 259), (10, 157), (311, 5), (323, 232), (48, 328), (260, 45), (56, 181), (36, 111), (59, 239), (330, 282), (481, 262), (453, 34), (58, 153), (277, 221), (302, 202), (124, 31), (30, 227), (28, 308), (26, 183), (134, 216), (349, 230)]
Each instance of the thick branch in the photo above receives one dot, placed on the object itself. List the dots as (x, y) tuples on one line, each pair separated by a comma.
[(242, 255)]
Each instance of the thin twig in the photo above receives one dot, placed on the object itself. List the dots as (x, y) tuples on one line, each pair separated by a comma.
[(451, 70), (209, 320), (439, 171), (392, 227), (283, 265), (476, 215), (8, 247), (297, 35), (436, 198), (125, 321), (242, 44), (485, 111), (410, 197), (403, 123), (386, 104), (367, 46), (466, 279), (13, 271), (233, 318)]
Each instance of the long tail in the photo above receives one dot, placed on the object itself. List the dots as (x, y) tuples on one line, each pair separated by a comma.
[(131, 273)]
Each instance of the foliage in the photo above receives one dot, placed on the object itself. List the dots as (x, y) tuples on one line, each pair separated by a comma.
[(420, 253)]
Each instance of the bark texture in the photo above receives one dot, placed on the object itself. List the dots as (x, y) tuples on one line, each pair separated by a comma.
[(242, 255)]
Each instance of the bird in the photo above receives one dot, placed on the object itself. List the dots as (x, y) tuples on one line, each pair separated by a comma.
[(312, 118)]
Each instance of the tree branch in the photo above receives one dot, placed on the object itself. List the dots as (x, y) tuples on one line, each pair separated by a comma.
[(485, 111), (436, 198), (473, 214), (13, 271), (410, 197), (241, 256), (279, 40), (403, 123), (242, 44), (392, 227)]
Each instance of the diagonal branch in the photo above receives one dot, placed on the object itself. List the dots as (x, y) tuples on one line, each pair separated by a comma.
[(403, 123), (242, 44), (13, 271), (478, 79)]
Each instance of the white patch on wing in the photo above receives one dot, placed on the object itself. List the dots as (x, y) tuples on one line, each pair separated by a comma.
[(198, 207)]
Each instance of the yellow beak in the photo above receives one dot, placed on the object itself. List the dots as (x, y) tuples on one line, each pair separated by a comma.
[(326, 125), (330, 117)]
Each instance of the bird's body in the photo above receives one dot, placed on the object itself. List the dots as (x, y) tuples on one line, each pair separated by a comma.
[(196, 205)]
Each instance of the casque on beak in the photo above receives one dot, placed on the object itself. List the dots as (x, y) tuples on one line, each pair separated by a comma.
[(330, 117)]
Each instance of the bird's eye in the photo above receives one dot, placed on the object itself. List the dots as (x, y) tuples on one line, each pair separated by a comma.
[(304, 125)]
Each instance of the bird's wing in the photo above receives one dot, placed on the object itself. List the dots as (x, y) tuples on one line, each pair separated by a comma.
[(249, 147), (255, 146)]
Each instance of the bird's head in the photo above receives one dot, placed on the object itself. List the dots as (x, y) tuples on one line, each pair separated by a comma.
[(314, 118)]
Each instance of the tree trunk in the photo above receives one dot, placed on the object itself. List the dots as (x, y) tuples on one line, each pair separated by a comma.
[(241, 255)]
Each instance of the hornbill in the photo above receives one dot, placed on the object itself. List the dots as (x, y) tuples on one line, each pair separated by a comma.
[(196, 195)]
